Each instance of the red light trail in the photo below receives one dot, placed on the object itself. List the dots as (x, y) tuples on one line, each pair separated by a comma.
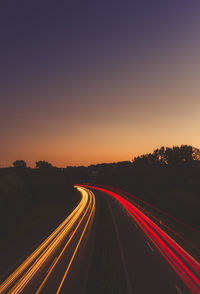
[(183, 263), (150, 205), (124, 193)]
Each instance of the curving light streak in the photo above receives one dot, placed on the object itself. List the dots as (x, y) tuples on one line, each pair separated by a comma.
[(79, 242), (31, 265), (124, 193), (117, 190), (90, 207), (183, 263)]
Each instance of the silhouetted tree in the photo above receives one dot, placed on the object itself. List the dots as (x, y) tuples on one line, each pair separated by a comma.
[(19, 164), (142, 161), (176, 155), (183, 154), (195, 153), (43, 164)]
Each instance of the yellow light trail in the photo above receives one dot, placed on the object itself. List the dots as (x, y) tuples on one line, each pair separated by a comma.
[(63, 250), (49, 250), (43, 251), (76, 249)]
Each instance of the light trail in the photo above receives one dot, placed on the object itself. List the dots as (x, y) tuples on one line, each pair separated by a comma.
[(79, 242), (187, 268), (124, 195), (32, 257), (23, 274), (90, 206)]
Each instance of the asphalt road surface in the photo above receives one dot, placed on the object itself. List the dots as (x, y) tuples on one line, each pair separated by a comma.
[(106, 246)]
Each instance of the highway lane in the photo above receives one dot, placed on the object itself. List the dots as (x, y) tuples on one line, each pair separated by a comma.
[(106, 271), (63, 274), (33, 274), (153, 261), (106, 245)]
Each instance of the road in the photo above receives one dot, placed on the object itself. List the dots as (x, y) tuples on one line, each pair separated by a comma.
[(153, 262), (106, 245)]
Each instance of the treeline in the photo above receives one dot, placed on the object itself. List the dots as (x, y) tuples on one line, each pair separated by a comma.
[(183, 155), (165, 156), (39, 164)]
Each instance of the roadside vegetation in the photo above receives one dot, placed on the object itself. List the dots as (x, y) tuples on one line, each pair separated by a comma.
[(33, 203)]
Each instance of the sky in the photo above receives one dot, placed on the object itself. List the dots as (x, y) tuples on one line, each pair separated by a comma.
[(85, 82)]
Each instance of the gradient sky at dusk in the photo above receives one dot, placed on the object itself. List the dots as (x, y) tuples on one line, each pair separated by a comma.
[(97, 81)]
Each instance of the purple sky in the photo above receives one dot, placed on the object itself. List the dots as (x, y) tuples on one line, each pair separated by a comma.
[(97, 81)]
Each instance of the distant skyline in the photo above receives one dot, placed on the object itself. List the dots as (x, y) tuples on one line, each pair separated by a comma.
[(86, 82)]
